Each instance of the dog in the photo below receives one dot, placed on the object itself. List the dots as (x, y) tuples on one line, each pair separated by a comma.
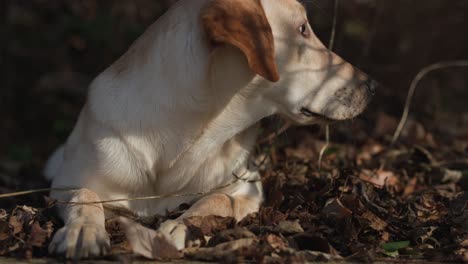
[(179, 112)]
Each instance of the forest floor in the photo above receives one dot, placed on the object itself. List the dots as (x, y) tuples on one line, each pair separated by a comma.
[(368, 202)]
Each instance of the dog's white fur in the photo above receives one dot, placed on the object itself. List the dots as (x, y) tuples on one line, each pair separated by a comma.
[(175, 116)]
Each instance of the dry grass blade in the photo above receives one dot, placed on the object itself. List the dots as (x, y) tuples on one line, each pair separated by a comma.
[(414, 84), (331, 44), (44, 190), (325, 147)]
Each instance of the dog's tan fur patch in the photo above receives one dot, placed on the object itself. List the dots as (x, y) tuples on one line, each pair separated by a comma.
[(244, 25)]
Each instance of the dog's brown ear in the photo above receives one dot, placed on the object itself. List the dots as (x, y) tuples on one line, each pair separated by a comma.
[(243, 24)]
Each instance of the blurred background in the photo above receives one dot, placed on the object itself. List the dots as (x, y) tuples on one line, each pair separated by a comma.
[(50, 50)]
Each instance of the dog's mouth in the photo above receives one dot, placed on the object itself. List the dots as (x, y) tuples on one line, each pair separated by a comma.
[(310, 114), (306, 117)]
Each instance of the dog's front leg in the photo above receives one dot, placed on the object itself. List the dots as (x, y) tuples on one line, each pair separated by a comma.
[(84, 234), (237, 205)]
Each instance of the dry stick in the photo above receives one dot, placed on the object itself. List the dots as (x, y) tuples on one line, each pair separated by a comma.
[(333, 33), (65, 189), (330, 47), (22, 193), (325, 147), (414, 84), (152, 197)]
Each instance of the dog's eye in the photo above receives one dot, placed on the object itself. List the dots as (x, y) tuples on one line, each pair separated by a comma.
[(304, 30)]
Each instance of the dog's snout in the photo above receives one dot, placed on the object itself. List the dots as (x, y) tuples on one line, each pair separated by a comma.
[(371, 86), (364, 82)]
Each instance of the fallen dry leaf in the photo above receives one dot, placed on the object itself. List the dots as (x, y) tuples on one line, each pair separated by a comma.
[(208, 225), (410, 187), (230, 235), (428, 209), (15, 225), (462, 252), (385, 237), (4, 230), (270, 216), (380, 178), (289, 227), (3, 215), (452, 176), (37, 236), (374, 221), (222, 250), (334, 208), (367, 152), (275, 242)]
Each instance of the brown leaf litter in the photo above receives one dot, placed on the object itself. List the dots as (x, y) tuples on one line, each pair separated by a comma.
[(366, 195)]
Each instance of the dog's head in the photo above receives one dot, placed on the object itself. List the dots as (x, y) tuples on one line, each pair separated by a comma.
[(296, 73)]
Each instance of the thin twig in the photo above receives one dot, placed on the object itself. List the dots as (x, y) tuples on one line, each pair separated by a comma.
[(44, 190), (331, 44), (152, 197), (325, 147), (414, 84)]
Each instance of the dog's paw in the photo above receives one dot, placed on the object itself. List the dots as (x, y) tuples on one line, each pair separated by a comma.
[(175, 232), (80, 240)]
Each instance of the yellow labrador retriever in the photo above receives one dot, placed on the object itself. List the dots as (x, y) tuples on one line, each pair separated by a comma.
[(178, 114)]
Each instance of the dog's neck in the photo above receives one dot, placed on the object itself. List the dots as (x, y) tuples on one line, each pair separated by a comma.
[(181, 98)]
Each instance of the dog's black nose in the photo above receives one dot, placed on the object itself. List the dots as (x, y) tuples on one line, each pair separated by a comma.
[(371, 86)]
